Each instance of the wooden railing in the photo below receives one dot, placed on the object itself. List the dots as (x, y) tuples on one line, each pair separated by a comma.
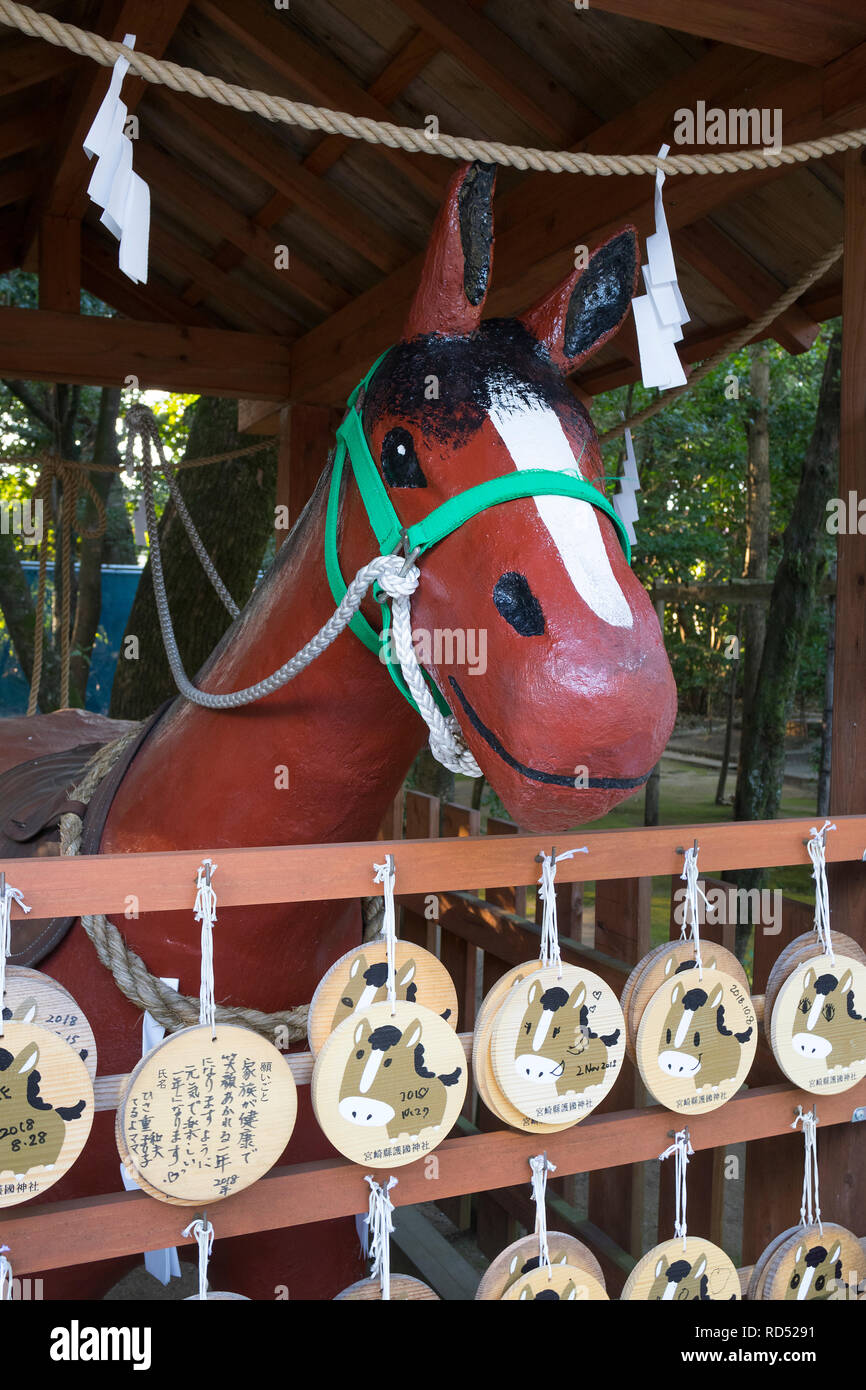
[(440, 882)]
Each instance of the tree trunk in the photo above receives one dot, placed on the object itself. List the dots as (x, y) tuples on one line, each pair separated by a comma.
[(729, 722), (758, 533), (91, 550), (762, 755), (232, 505), (19, 615)]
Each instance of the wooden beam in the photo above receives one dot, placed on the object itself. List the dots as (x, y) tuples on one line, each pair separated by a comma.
[(260, 417), (265, 156), (845, 89), (323, 79), (17, 185), (153, 25), (253, 311), (29, 129), (155, 302), (304, 873), (795, 29), (734, 591), (194, 199), (26, 62), (41, 346), (743, 282), (126, 1223), (487, 52), (60, 264)]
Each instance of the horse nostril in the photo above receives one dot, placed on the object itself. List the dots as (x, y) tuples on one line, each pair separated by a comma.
[(518, 605)]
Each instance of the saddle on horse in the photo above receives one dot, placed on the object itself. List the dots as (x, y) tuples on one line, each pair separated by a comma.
[(33, 797)]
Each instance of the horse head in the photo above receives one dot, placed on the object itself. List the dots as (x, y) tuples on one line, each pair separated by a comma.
[(528, 616)]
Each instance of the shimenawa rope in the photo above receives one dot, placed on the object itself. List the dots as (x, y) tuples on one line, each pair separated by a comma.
[(183, 79)]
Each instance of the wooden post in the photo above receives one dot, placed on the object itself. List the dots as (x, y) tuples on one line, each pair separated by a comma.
[(653, 786), (60, 264), (841, 1153), (306, 434)]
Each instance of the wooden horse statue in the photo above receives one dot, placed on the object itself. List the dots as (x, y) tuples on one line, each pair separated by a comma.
[(567, 712)]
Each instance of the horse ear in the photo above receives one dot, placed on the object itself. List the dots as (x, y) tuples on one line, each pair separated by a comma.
[(578, 994), (835, 1252), (359, 964), (26, 1011), (661, 1265), (407, 974), (845, 982), (677, 992), (26, 1059), (670, 966), (717, 996), (589, 306), (412, 1034), (359, 1031), (700, 1267), (453, 286), (534, 992), (809, 978), (524, 1294)]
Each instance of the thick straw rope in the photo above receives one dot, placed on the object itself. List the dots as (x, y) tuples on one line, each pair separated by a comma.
[(166, 1005), (182, 79)]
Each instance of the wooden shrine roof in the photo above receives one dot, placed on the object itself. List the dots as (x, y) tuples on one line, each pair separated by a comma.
[(228, 188)]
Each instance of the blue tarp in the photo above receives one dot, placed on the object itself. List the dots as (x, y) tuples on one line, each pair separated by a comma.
[(119, 583)]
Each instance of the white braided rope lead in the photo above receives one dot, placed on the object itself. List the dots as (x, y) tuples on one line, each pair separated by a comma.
[(541, 1166), (7, 894), (203, 1234), (681, 1149), (816, 845), (198, 84), (810, 1206)]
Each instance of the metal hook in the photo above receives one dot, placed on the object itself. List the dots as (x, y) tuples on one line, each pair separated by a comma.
[(540, 858)]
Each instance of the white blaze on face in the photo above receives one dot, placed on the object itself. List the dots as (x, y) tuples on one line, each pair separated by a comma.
[(534, 437), (688, 1015), (372, 1065), (814, 1012), (542, 1028)]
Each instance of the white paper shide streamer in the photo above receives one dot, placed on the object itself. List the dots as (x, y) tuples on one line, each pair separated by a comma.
[(810, 1207), (114, 185), (5, 1276), (541, 1166), (204, 1238), (680, 1149), (816, 845), (386, 874), (549, 953), (660, 313), (7, 894), (205, 912), (624, 503), (691, 912), (380, 1227)]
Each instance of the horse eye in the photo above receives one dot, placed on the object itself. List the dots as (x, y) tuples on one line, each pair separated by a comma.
[(399, 461), (349, 1003), (820, 1282), (829, 1012), (805, 1006), (387, 1062), (795, 1281), (668, 1038), (360, 1054), (556, 1032), (697, 1039), (527, 1027)]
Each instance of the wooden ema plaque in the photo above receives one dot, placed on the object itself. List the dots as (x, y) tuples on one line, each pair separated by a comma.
[(797, 952), (46, 1110), (677, 1271), (521, 1258), (674, 958), (204, 1117), (360, 978), (813, 1264), (762, 1263), (818, 1024), (387, 1087), (216, 1297), (482, 1067), (696, 1041), (404, 1289), (558, 1043), (564, 1283), (32, 997)]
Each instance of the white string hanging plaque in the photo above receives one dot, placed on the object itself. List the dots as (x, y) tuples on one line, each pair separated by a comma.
[(541, 1166), (6, 1282), (565, 1279), (550, 954), (817, 848), (810, 1206), (681, 1150), (380, 1227), (8, 894), (205, 912), (386, 875)]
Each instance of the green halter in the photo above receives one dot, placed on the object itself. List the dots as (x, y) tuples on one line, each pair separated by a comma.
[(392, 534)]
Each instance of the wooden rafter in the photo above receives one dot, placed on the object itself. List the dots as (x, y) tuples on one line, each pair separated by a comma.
[(259, 152), (801, 30), (321, 77), (27, 62), (251, 309), (155, 302), (29, 129), (190, 196), (17, 185)]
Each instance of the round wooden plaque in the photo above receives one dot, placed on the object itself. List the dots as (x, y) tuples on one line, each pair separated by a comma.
[(696, 1041), (671, 1274), (403, 1289), (387, 1088), (482, 1067), (557, 1044), (818, 1025), (32, 997), (359, 979), (521, 1258), (203, 1117), (677, 958), (814, 1265), (46, 1110), (629, 988), (565, 1283), (801, 949), (215, 1297), (762, 1264)]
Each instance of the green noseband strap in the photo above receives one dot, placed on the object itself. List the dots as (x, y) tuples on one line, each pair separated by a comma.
[(450, 516)]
